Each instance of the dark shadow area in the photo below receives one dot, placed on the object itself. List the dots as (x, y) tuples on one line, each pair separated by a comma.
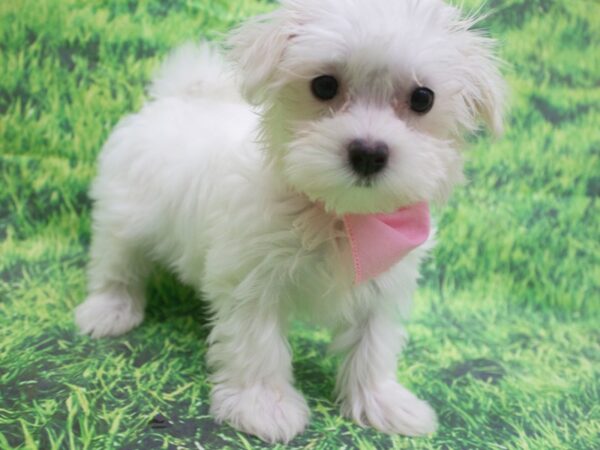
[(481, 369), (170, 299)]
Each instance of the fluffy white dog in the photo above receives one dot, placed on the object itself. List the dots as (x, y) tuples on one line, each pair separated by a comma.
[(313, 200)]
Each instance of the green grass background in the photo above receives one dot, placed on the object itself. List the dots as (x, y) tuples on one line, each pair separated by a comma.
[(505, 336)]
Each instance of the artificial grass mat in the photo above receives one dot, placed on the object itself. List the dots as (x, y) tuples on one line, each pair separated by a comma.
[(505, 336)]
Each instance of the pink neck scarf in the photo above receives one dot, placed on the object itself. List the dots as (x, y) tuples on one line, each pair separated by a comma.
[(378, 241)]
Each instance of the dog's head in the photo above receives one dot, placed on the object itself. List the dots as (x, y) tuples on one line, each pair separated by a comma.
[(364, 101)]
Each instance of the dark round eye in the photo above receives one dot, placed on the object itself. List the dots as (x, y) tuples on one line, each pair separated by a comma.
[(421, 100), (324, 87)]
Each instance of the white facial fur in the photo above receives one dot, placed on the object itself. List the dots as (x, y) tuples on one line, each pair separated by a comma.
[(379, 51)]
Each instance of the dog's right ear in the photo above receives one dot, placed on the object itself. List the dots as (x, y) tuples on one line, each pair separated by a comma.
[(257, 48)]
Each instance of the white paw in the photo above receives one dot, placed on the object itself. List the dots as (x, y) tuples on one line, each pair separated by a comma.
[(391, 408), (273, 413), (108, 314)]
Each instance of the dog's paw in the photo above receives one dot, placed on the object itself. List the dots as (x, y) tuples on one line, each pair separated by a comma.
[(273, 413), (108, 314), (391, 408)]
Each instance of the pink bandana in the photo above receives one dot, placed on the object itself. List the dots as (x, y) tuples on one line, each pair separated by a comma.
[(378, 241)]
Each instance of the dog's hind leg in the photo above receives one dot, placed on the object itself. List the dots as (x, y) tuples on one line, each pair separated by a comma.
[(115, 303)]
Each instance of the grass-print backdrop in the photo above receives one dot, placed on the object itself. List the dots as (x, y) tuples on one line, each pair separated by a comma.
[(505, 336)]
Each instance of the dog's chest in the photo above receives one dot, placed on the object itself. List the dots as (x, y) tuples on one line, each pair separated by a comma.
[(322, 270)]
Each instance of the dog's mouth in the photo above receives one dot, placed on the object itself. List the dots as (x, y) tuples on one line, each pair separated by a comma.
[(366, 183), (363, 197)]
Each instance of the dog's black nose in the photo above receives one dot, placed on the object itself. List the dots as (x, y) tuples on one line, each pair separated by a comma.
[(367, 158)]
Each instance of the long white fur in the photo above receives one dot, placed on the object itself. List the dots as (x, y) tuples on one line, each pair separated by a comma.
[(244, 202)]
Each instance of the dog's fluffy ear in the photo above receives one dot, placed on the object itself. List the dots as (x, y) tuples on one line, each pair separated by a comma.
[(486, 91), (257, 48)]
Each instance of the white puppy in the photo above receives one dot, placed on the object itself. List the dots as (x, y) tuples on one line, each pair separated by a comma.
[(269, 209)]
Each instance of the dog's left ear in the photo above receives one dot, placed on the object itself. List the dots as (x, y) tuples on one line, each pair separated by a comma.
[(257, 48), (485, 92)]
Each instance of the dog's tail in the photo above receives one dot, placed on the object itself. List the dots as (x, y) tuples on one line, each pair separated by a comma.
[(194, 70)]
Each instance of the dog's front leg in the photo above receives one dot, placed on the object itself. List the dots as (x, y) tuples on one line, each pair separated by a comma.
[(367, 386), (252, 371)]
